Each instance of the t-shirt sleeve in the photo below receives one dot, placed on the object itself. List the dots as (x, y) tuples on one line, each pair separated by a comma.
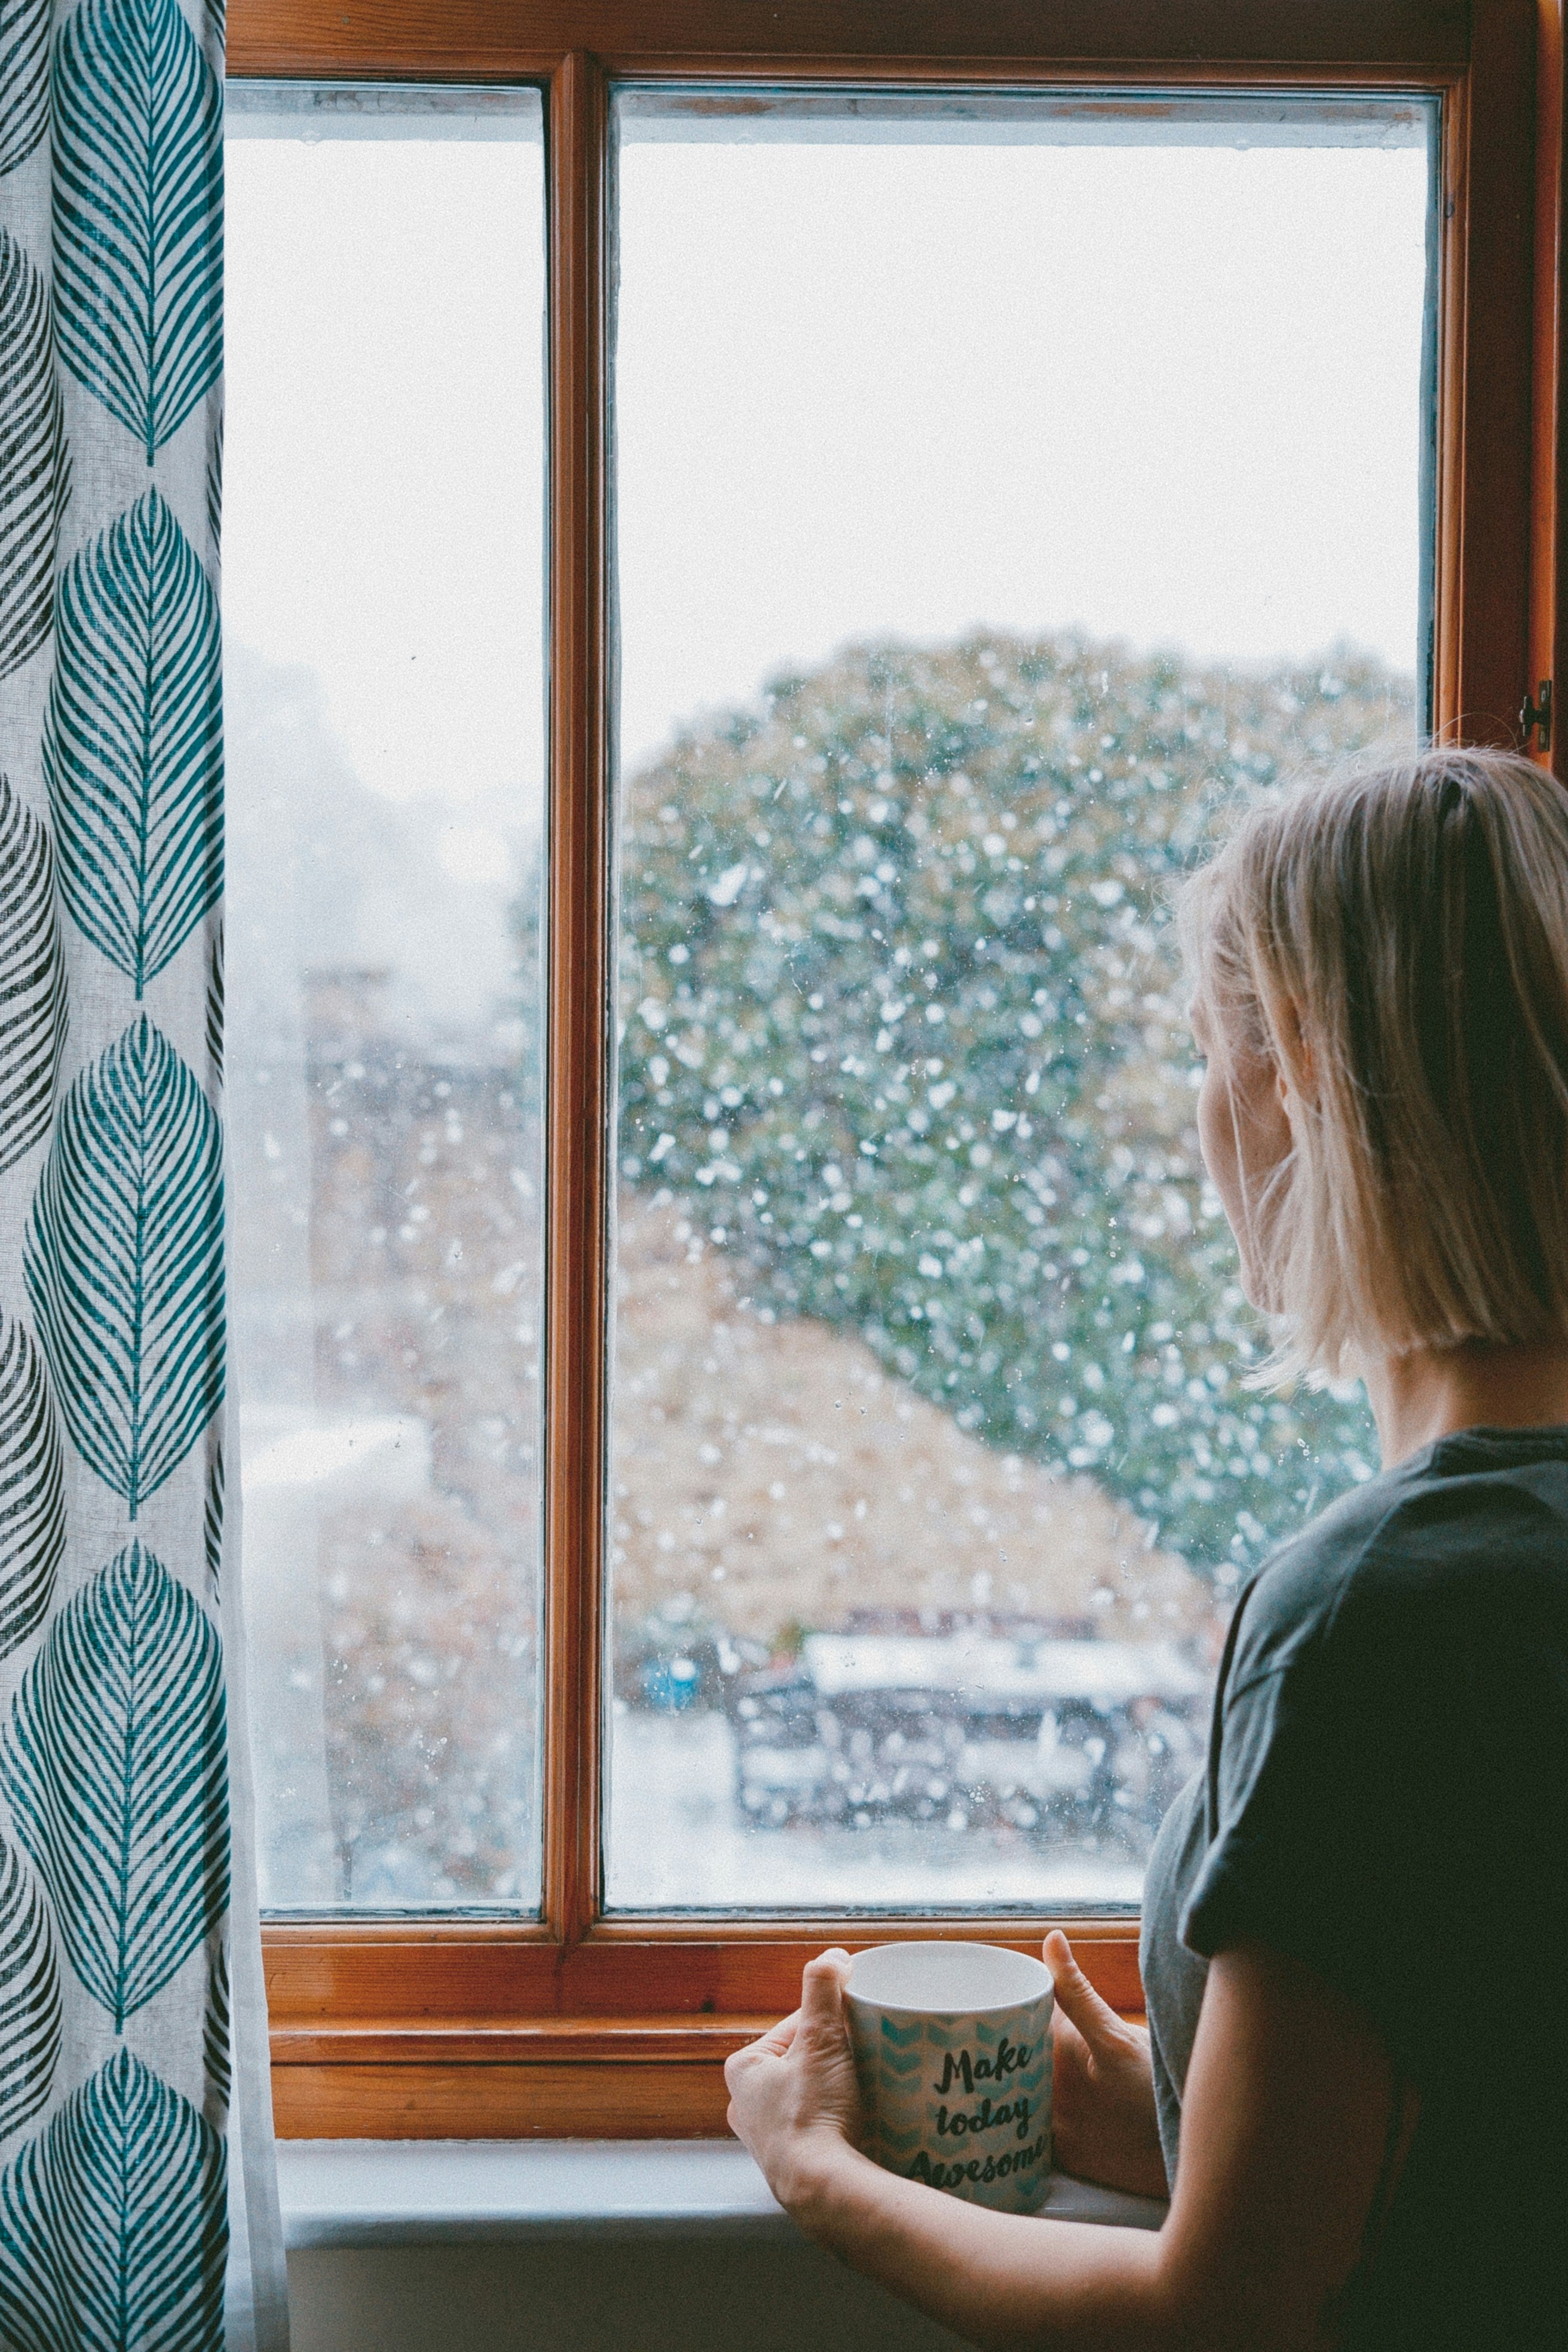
[(1366, 1788), (1300, 1845)]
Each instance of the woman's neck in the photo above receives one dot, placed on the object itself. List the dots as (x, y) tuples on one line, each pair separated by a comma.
[(1434, 1393)]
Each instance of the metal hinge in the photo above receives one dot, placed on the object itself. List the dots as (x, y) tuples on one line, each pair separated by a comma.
[(1537, 714)]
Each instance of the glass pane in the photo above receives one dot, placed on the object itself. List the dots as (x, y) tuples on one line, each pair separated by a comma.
[(383, 565), (1003, 489)]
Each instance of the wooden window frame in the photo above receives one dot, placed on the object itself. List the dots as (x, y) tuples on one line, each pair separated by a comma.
[(578, 2023)]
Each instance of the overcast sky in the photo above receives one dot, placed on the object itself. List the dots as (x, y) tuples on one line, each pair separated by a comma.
[(1165, 393)]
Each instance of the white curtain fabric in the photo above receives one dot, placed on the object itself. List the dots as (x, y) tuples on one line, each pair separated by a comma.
[(138, 2198)]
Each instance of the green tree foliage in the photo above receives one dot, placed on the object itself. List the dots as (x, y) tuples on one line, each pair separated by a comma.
[(901, 1023)]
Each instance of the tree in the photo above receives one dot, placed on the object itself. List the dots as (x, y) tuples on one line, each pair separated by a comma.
[(900, 1021)]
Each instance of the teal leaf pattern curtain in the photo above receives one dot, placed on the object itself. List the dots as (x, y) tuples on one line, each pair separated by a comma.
[(35, 458), (31, 1491), (31, 2003), (138, 156), (138, 2203), (134, 742), (128, 1830), (111, 2221), (123, 1264), (33, 1006)]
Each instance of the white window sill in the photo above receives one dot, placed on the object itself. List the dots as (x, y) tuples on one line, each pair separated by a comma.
[(366, 2192)]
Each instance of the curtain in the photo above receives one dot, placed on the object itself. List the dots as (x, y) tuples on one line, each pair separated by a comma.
[(138, 2206)]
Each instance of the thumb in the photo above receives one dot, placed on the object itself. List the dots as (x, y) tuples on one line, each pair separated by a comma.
[(822, 1987), (1080, 2003)]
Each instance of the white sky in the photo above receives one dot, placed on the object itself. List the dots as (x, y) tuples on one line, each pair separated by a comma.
[(1164, 393), (383, 460)]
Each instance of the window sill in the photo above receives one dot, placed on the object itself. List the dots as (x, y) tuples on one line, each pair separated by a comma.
[(364, 2193)]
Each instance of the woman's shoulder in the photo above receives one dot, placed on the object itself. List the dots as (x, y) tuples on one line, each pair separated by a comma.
[(1468, 1538)]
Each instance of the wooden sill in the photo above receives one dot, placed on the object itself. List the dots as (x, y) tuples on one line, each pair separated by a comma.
[(404, 1974), (472, 2030), (491, 2041), (514, 2100), (582, 2078)]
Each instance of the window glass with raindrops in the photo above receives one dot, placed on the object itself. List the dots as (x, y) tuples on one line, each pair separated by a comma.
[(383, 591), (1006, 488)]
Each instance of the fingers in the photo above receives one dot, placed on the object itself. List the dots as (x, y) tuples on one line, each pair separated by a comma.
[(1080, 2003), (774, 2044), (821, 1993), (821, 2013), (1066, 2040)]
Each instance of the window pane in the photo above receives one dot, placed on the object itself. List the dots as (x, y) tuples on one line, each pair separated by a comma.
[(1003, 487), (382, 568)]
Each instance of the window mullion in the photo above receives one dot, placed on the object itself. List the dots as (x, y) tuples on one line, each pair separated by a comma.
[(1483, 530), (1549, 591), (578, 981)]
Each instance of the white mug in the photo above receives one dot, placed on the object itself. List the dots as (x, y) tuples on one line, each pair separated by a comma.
[(953, 2051)]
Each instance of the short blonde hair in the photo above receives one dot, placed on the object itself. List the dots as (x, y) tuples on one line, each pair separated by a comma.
[(1394, 942)]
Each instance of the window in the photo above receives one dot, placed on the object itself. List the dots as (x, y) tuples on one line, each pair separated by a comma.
[(954, 597), (385, 692), (952, 462)]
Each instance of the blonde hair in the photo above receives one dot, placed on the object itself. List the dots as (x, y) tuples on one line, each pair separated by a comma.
[(1395, 943)]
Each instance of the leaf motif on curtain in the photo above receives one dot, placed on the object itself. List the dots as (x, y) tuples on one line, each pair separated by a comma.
[(35, 458), (214, 1009), (214, 499), (115, 1859), (29, 1996), (33, 1010), (133, 741), (212, 1528), (217, 2061), (115, 2223), (115, 1766), (24, 79), (138, 164), (123, 1262), (32, 1498)]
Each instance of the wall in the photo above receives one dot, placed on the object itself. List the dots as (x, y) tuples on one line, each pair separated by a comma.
[(692, 2295)]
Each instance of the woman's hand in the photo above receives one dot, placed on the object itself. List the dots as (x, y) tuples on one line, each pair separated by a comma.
[(1103, 2124), (793, 2099)]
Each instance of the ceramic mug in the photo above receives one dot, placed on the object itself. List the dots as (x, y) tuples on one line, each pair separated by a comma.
[(953, 2050)]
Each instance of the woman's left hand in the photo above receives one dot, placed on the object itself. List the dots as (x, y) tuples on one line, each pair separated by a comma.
[(793, 2099)]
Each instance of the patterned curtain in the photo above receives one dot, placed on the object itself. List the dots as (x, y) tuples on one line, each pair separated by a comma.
[(137, 2204)]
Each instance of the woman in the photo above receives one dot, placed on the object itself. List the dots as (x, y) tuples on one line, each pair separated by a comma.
[(1356, 1941)]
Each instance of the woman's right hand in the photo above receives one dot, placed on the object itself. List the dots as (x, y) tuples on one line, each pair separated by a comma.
[(1103, 2124)]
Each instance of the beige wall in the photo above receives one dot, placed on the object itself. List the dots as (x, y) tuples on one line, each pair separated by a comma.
[(691, 2294)]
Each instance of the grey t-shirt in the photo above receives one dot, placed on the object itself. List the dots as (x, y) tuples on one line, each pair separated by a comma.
[(1386, 1800)]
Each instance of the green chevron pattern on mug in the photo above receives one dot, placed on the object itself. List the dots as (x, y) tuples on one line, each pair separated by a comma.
[(953, 2050)]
